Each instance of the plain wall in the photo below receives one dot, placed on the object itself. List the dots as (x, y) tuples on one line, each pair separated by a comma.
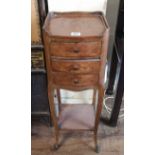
[(77, 5)]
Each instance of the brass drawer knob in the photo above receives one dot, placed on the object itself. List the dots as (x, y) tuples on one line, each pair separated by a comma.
[(76, 81), (75, 67), (76, 51)]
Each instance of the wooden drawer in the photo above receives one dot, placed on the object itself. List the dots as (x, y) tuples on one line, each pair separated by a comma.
[(76, 66), (75, 50), (63, 79)]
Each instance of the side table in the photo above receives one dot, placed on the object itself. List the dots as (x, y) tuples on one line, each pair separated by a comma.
[(75, 51)]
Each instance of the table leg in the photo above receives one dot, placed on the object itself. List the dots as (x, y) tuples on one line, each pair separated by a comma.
[(53, 115), (98, 113)]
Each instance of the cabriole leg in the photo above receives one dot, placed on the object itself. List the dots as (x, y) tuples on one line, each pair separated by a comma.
[(53, 115), (97, 150), (98, 113)]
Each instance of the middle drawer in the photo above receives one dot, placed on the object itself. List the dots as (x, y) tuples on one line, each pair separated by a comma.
[(75, 66)]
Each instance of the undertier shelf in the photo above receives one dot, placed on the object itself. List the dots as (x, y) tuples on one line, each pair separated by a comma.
[(77, 117)]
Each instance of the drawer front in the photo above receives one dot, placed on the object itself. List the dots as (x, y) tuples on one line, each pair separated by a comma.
[(75, 66), (74, 80), (75, 50)]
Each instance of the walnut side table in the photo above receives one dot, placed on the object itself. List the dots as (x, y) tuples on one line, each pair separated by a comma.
[(75, 51)]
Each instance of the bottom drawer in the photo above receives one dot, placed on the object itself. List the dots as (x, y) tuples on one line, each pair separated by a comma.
[(75, 80)]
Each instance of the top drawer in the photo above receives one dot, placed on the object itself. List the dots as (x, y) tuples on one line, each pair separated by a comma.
[(75, 50)]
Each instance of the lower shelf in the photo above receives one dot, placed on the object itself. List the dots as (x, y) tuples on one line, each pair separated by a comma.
[(77, 117)]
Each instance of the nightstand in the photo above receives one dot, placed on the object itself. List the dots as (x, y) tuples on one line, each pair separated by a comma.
[(75, 50)]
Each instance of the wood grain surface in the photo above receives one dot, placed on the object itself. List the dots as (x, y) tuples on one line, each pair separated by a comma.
[(77, 66), (75, 50), (62, 79), (87, 24)]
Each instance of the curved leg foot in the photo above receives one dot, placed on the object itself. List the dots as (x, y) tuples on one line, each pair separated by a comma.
[(97, 149), (55, 147)]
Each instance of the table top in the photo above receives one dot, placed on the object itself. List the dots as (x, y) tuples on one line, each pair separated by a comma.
[(75, 24)]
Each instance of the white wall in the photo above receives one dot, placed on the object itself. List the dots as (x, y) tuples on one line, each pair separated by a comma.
[(77, 5)]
